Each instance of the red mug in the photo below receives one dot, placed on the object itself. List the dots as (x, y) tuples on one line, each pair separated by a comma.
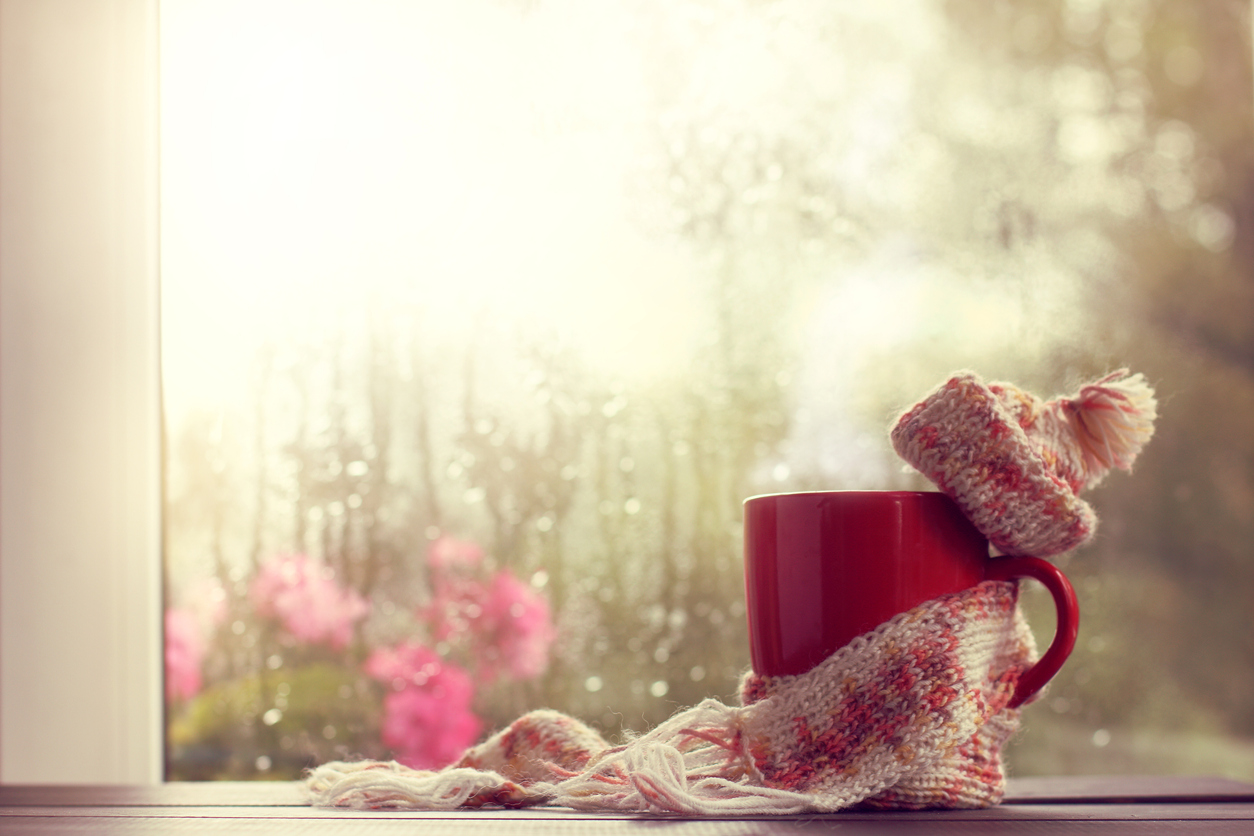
[(825, 567)]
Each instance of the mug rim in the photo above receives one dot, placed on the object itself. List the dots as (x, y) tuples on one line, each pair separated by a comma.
[(855, 492)]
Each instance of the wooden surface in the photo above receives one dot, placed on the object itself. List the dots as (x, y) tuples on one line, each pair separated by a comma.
[(1079, 805)]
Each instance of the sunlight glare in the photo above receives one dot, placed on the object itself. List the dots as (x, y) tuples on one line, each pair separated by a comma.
[(316, 155)]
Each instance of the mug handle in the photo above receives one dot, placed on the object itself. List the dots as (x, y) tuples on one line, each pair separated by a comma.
[(1012, 568)]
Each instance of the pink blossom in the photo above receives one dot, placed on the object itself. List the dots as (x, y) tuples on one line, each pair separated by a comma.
[(514, 630), (427, 720), (184, 653), (448, 553), (306, 599), (456, 604)]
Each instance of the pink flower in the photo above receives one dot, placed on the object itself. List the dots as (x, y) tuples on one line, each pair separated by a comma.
[(457, 603), (306, 599), (513, 631), (427, 721), (184, 652), (456, 592), (447, 553)]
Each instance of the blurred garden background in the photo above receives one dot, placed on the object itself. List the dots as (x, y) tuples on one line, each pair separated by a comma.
[(481, 319)]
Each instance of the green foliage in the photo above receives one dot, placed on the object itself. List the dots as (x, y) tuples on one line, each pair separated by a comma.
[(275, 724)]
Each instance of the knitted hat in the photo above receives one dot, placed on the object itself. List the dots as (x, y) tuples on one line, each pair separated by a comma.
[(1016, 464)]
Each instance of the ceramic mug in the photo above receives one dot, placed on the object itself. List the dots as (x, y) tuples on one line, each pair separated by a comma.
[(822, 568)]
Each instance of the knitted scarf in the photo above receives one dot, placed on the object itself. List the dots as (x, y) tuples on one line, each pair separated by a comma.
[(908, 716)]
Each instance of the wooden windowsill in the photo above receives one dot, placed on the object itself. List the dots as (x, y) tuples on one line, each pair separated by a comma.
[(1111, 804)]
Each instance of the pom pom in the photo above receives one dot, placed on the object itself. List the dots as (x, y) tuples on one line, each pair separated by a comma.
[(1112, 419)]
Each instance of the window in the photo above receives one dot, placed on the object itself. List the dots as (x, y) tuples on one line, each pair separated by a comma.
[(568, 283)]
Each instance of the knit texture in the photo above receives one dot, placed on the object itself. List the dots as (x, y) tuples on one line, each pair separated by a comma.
[(911, 715), (1016, 464)]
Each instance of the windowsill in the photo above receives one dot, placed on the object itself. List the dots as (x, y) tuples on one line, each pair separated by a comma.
[(1211, 805)]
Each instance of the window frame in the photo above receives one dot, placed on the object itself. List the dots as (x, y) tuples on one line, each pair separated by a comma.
[(80, 420), (80, 415)]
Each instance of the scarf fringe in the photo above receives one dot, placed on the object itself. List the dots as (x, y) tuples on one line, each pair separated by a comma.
[(680, 767)]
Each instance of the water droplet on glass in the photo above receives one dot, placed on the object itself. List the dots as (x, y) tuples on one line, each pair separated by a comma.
[(1123, 42), (1184, 65), (1175, 141), (1212, 227), (613, 407)]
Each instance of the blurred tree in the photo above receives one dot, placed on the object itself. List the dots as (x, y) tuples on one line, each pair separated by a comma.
[(1148, 104)]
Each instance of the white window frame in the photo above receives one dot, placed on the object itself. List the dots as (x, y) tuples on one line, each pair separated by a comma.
[(80, 429)]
